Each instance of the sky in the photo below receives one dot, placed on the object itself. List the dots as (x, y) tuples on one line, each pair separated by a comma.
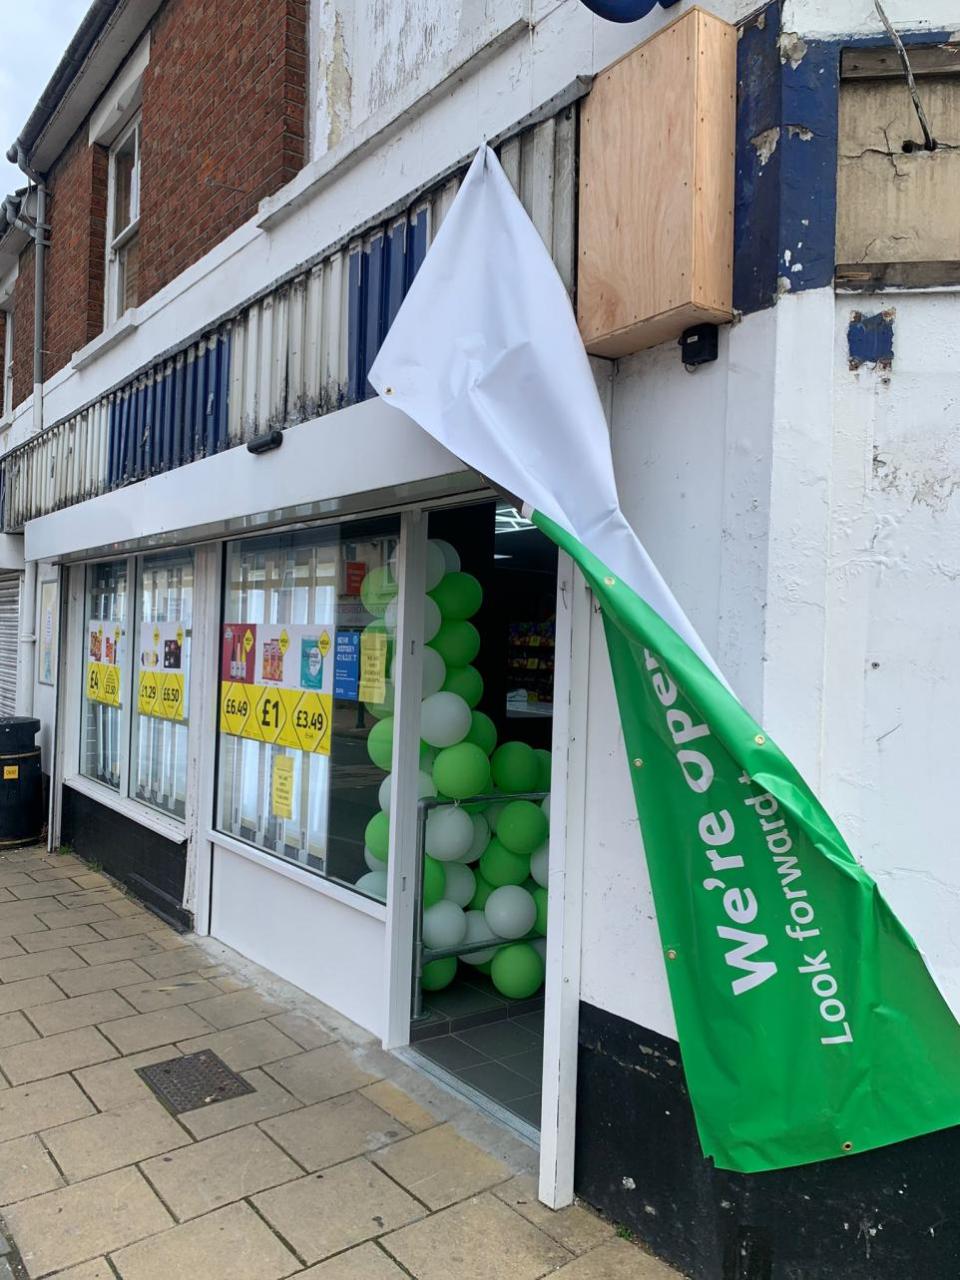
[(35, 37)]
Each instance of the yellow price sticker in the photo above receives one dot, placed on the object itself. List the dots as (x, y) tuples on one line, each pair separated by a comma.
[(323, 644), (312, 722), (147, 693), (235, 708), (269, 715)]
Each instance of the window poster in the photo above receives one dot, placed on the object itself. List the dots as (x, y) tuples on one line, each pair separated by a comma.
[(105, 648), (161, 683), (276, 683), (48, 631)]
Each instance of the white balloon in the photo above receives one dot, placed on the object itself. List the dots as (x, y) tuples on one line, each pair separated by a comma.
[(426, 789), (444, 925), (434, 672), (449, 833), (478, 931), (436, 565), (540, 946), (539, 865), (481, 837), (431, 618), (510, 911), (545, 806), (461, 884), (374, 883), (373, 864), (444, 719), (450, 554)]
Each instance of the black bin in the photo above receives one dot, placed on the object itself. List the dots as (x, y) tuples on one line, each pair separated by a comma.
[(21, 781)]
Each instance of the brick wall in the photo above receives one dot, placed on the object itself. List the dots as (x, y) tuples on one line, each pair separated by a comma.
[(23, 329), (224, 110), (76, 214), (224, 106)]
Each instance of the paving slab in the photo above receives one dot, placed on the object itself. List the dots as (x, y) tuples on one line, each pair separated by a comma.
[(318, 1074), (89, 897), (231, 1244), (574, 1227), (125, 907), (42, 962), (32, 1107), (112, 949), (92, 880), (113, 1084), (328, 1212), (54, 1055), (165, 993), (241, 1048), (168, 964), (480, 1239), (237, 1007), (99, 1269), (23, 920), (207, 1175), (11, 947), (309, 1033), (400, 1105), (26, 892), (61, 871), (53, 939), (146, 1030), (28, 993), (439, 1167), (101, 977), (125, 926), (10, 877), (268, 1099), (112, 1139), (79, 1011), (617, 1260), (62, 918), (366, 1262), (14, 1029), (333, 1131), (62, 1228), (25, 1170)]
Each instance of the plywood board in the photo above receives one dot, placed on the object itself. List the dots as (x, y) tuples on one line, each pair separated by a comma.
[(656, 188), (894, 206)]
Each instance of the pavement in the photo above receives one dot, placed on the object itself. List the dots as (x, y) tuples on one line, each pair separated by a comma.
[(341, 1163)]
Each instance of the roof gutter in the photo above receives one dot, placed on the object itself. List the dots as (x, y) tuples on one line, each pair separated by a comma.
[(89, 32)]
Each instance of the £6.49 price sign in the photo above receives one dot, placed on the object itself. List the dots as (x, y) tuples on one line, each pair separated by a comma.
[(276, 684)]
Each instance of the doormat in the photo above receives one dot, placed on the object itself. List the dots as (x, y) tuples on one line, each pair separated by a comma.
[(193, 1081)]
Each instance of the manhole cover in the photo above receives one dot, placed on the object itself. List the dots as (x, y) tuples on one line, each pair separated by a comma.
[(193, 1081)]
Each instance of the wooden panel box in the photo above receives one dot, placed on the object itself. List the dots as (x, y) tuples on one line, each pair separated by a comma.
[(657, 188)]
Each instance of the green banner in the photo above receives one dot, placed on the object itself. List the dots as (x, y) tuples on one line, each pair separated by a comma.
[(809, 1025)]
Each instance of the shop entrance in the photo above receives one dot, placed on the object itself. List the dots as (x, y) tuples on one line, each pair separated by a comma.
[(477, 1014)]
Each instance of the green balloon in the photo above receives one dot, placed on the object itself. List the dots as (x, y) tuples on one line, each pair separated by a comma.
[(377, 590), (483, 732), (485, 967), (522, 827), (499, 866), (438, 974), (459, 596), (540, 898), (457, 643), (544, 760), (434, 880), (380, 744), (461, 771), (515, 768), (377, 835), (481, 893), (517, 971), (467, 681)]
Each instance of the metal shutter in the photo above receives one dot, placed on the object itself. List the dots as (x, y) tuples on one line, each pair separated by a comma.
[(9, 641)]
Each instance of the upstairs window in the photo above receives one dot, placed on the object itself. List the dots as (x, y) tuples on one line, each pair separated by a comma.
[(123, 223), (6, 364)]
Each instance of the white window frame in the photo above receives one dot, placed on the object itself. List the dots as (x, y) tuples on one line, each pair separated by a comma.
[(117, 240), (6, 390)]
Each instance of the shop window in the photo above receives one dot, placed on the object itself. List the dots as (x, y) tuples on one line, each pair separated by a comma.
[(123, 247), (161, 694), (104, 673), (306, 647)]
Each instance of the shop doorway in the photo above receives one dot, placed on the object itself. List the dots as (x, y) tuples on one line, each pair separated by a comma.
[(477, 1015)]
